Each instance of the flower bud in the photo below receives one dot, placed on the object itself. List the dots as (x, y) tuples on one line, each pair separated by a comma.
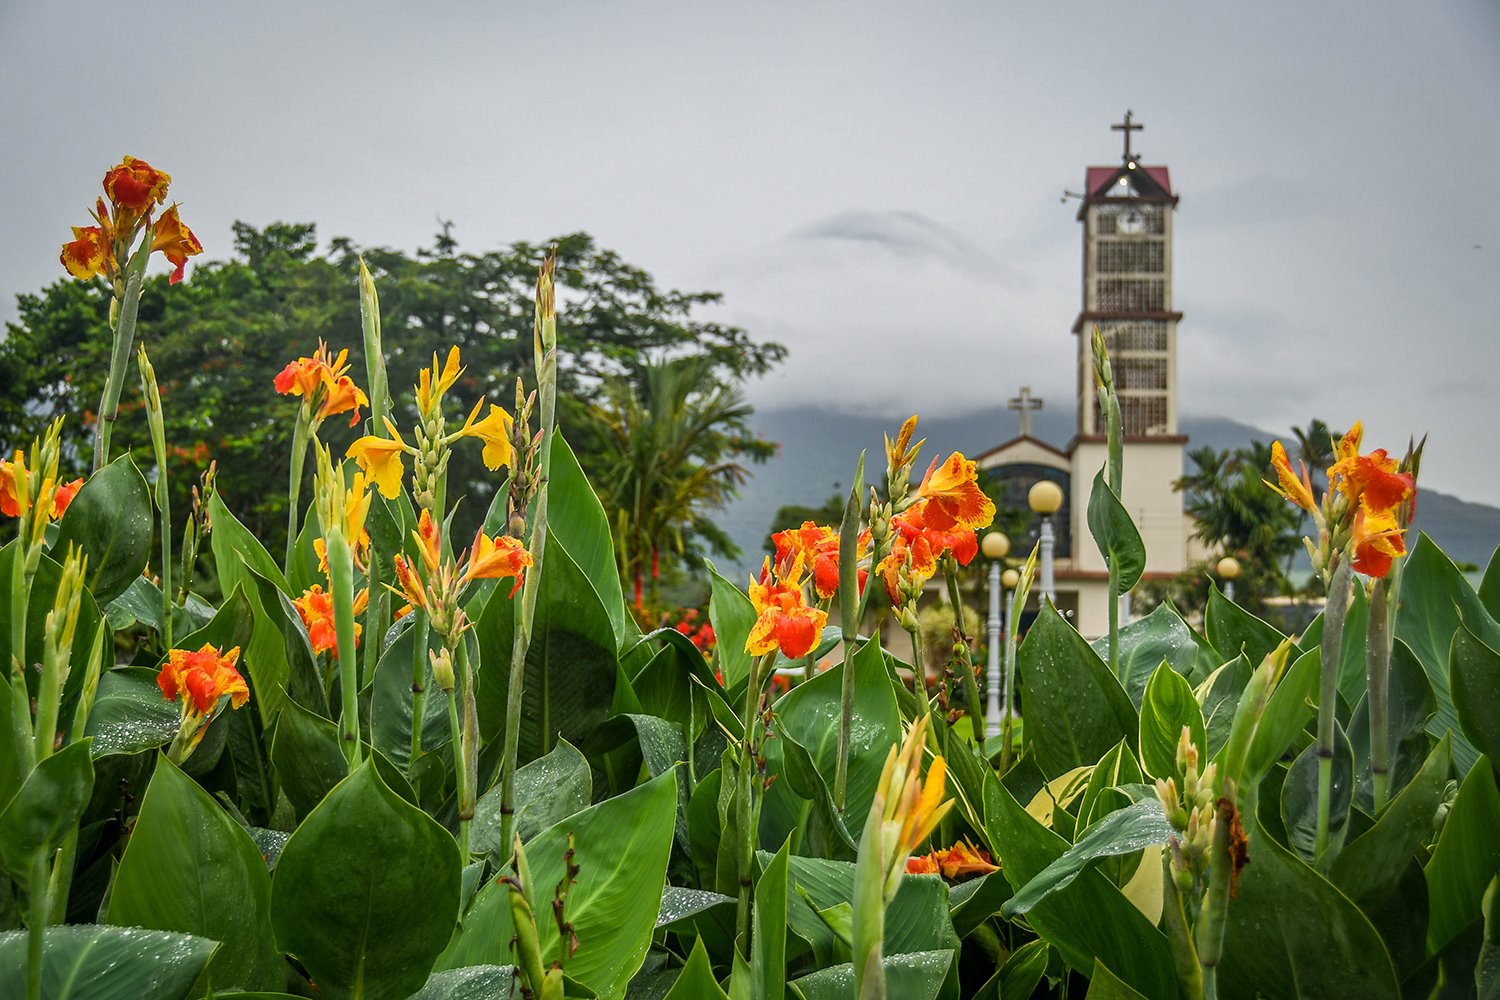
[(442, 669)]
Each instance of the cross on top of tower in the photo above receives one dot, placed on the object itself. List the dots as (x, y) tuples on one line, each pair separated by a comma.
[(1128, 127), (1024, 404)]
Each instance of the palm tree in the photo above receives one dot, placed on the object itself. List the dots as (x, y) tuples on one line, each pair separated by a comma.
[(673, 432)]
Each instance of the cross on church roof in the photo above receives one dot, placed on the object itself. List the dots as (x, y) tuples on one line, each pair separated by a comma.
[(1023, 405), (1128, 127)]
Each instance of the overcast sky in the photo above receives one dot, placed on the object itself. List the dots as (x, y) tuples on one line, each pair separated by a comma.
[(876, 185)]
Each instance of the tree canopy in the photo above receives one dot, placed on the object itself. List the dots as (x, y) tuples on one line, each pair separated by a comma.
[(218, 339)]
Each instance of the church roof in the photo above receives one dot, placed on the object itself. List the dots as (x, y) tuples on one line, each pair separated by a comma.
[(1023, 449), (1100, 178)]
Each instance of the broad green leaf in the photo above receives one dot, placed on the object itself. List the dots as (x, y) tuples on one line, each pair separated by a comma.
[(1489, 587), (1474, 673), (1074, 707), (915, 921), (732, 615), (975, 901), (809, 714), (910, 976), (229, 628), (110, 519), (1292, 705), (1466, 857), (281, 653), (1299, 797), (366, 892), (49, 802), (1292, 934), (679, 904), (1115, 533), (391, 699), (768, 936), (1168, 707), (622, 846), (92, 962), (696, 981), (1161, 636), (1101, 793), (1105, 985), (1087, 919), (1353, 671), (570, 664), (305, 752), (1219, 694), (1435, 598), (826, 834), (479, 982), (130, 714), (1368, 867), (1124, 831), (1233, 630), (188, 867), (576, 519), (1023, 970), (237, 551), (548, 791), (1409, 708)]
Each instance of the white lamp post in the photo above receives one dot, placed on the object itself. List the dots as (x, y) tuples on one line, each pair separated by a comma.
[(1008, 581), (1045, 497), (995, 546), (1229, 571)]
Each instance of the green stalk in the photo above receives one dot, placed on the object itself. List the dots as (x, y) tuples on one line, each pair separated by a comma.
[(124, 337), (744, 803), (460, 769), (341, 582), (868, 930), (849, 618), (1212, 921), (1114, 618), (375, 375), (971, 689), (20, 695), (374, 617), (419, 627), (1007, 696), (919, 670), (1378, 670), (300, 433), (36, 923), (469, 786), (154, 420), (1184, 953), (1333, 637)]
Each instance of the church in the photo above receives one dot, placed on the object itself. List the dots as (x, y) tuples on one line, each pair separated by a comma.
[(1127, 214)]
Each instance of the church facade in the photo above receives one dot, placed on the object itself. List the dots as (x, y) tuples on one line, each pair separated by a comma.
[(1126, 212)]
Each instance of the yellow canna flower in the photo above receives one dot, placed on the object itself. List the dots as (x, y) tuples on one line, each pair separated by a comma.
[(1294, 488), (431, 384), (494, 431), (955, 497), (380, 459), (497, 558)]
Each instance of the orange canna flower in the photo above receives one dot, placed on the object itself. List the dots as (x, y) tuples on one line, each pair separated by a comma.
[(316, 610), (924, 864), (956, 499), (200, 679), (412, 587), (429, 542), (964, 861), (901, 451), (380, 458), (53, 498), (343, 397), (64, 496), (497, 558), (175, 241), (1294, 488), (784, 621), (819, 548), (1375, 541), (324, 377), (1372, 481), (494, 431), (135, 186), (90, 253)]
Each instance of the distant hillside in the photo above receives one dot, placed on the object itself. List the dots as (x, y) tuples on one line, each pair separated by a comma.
[(818, 449)]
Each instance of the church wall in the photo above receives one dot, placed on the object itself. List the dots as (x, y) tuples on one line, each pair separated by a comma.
[(1150, 469)]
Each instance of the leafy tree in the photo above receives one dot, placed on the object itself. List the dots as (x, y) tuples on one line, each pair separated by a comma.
[(672, 434), (218, 340)]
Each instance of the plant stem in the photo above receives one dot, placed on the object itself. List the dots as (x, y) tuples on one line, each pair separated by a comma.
[(460, 769), (1007, 696), (1212, 921), (744, 809), (1184, 953), (1378, 669), (971, 689), (341, 582), (1330, 654), (36, 924), (300, 434), (919, 670), (419, 629), (124, 337), (850, 612), (20, 695), (1114, 618), (157, 425)]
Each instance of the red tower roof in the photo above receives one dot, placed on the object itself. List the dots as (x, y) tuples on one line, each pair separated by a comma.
[(1100, 178)]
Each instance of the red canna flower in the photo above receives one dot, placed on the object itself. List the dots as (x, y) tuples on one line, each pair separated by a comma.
[(135, 186), (1375, 541), (200, 679), (64, 496), (784, 621), (316, 610), (819, 548)]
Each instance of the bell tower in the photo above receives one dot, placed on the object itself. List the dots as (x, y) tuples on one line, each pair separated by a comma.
[(1127, 292)]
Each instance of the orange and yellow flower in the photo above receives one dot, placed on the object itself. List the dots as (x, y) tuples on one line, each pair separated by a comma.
[(175, 241), (411, 584), (323, 380), (912, 534), (956, 499), (91, 252), (1372, 481), (958, 863), (494, 431), (201, 678), (135, 186), (432, 383), (497, 558), (315, 607), (1375, 540), (784, 621), (819, 548), (1297, 489), (54, 499)]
